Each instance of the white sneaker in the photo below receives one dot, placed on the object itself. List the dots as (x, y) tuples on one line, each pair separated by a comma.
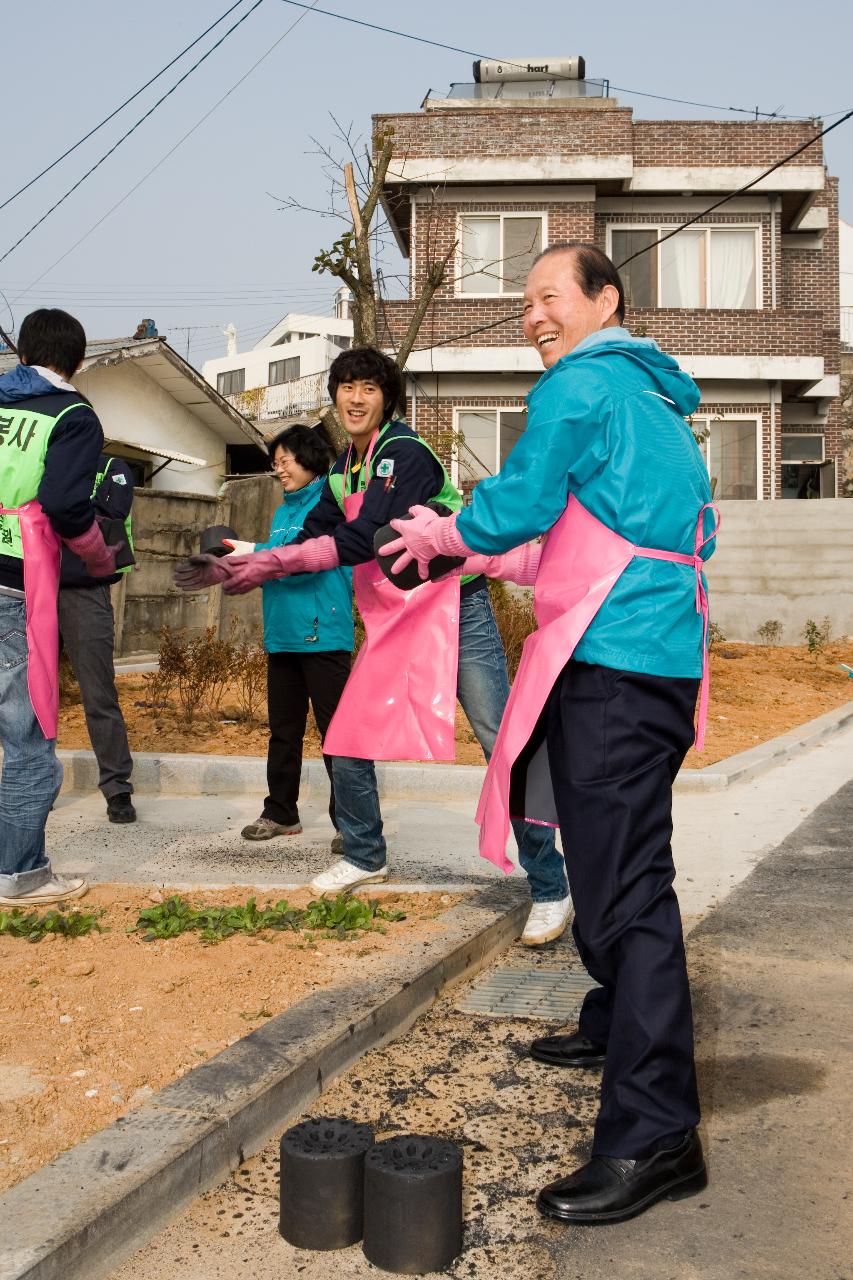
[(343, 876), (546, 921), (57, 889)]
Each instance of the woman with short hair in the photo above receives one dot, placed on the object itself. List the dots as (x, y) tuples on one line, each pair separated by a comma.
[(308, 634)]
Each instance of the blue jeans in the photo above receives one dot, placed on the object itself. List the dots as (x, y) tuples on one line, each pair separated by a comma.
[(483, 689), (32, 774)]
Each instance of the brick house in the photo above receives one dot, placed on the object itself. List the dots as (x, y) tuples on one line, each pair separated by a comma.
[(747, 299)]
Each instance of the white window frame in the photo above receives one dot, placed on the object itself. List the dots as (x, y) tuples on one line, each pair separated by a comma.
[(702, 421), (476, 408), (662, 228), (502, 216)]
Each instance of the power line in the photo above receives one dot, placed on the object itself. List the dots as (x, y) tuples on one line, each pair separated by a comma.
[(169, 153), (517, 315), (118, 110), (131, 130), (471, 53), (746, 187)]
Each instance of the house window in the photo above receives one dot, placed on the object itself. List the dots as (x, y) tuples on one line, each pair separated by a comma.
[(497, 251), (283, 370), (804, 474), (802, 447), (732, 454), (230, 383), (699, 268), (485, 438)]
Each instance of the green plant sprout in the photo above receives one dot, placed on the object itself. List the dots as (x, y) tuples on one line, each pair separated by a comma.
[(33, 927), (342, 918)]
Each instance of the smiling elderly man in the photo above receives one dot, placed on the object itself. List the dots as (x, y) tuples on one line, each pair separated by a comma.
[(601, 713)]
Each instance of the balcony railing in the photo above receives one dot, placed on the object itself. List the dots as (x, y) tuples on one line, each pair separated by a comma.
[(285, 400)]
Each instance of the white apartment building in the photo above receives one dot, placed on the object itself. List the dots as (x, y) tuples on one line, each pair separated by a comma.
[(284, 374)]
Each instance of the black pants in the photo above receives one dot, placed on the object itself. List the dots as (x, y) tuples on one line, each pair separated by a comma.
[(293, 679), (87, 628), (616, 740)]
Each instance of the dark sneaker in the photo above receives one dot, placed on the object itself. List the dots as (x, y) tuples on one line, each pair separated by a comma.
[(120, 808), (266, 829), (337, 846)]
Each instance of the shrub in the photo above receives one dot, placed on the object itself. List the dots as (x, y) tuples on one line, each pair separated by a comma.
[(817, 637), (249, 674), (770, 632), (716, 635), (160, 683), (69, 689), (515, 618)]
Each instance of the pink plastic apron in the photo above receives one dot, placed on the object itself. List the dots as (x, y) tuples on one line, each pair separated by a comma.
[(581, 562), (399, 702), (42, 550)]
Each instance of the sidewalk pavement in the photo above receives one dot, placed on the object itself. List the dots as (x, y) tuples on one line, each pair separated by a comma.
[(432, 841), (772, 974)]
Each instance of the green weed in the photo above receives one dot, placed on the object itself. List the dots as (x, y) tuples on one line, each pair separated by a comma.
[(33, 927), (341, 918)]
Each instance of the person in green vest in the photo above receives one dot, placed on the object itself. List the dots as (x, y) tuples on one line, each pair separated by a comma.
[(386, 469), (50, 442), (87, 628)]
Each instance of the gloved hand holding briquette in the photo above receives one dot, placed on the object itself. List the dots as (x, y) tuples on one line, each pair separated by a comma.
[(425, 535), (241, 573)]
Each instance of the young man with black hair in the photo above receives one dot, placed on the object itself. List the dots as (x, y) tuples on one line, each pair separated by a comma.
[(50, 442), (87, 628), (386, 469)]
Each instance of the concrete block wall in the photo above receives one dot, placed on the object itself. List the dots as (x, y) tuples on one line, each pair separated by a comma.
[(166, 529), (785, 560)]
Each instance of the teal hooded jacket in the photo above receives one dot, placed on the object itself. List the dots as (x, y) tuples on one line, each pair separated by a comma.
[(606, 423), (306, 612)]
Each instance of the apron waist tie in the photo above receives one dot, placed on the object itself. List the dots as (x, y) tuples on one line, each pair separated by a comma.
[(679, 557)]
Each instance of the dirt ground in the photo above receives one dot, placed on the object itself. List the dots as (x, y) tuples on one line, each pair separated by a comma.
[(757, 692), (104, 1020)]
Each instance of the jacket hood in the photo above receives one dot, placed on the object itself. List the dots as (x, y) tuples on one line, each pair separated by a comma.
[(22, 383), (669, 380)]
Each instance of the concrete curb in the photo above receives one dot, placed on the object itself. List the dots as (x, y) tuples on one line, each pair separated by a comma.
[(82, 1214), (767, 755), (191, 775)]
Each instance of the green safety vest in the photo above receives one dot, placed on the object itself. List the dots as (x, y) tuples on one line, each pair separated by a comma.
[(128, 523), (24, 437), (448, 494)]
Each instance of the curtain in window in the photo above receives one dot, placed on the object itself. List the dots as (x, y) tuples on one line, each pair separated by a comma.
[(682, 270), (640, 276), (733, 459), (732, 269), (481, 253), (477, 451), (513, 423), (522, 242)]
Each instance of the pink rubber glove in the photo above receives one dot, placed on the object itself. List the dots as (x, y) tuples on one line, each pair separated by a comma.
[(97, 556), (202, 571), (424, 537), (519, 565), (248, 572)]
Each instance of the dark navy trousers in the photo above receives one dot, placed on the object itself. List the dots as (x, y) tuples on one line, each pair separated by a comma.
[(616, 740)]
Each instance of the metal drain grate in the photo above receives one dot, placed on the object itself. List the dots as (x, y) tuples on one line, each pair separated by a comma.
[(555, 994)]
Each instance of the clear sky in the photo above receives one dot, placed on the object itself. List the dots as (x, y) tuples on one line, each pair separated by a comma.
[(201, 242)]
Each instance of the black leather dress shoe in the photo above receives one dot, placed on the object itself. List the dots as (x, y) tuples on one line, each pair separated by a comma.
[(567, 1051), (610, 1190)]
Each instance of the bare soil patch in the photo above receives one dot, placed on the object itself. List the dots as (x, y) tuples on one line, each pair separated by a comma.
[(104, 1020), (757, 693)]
